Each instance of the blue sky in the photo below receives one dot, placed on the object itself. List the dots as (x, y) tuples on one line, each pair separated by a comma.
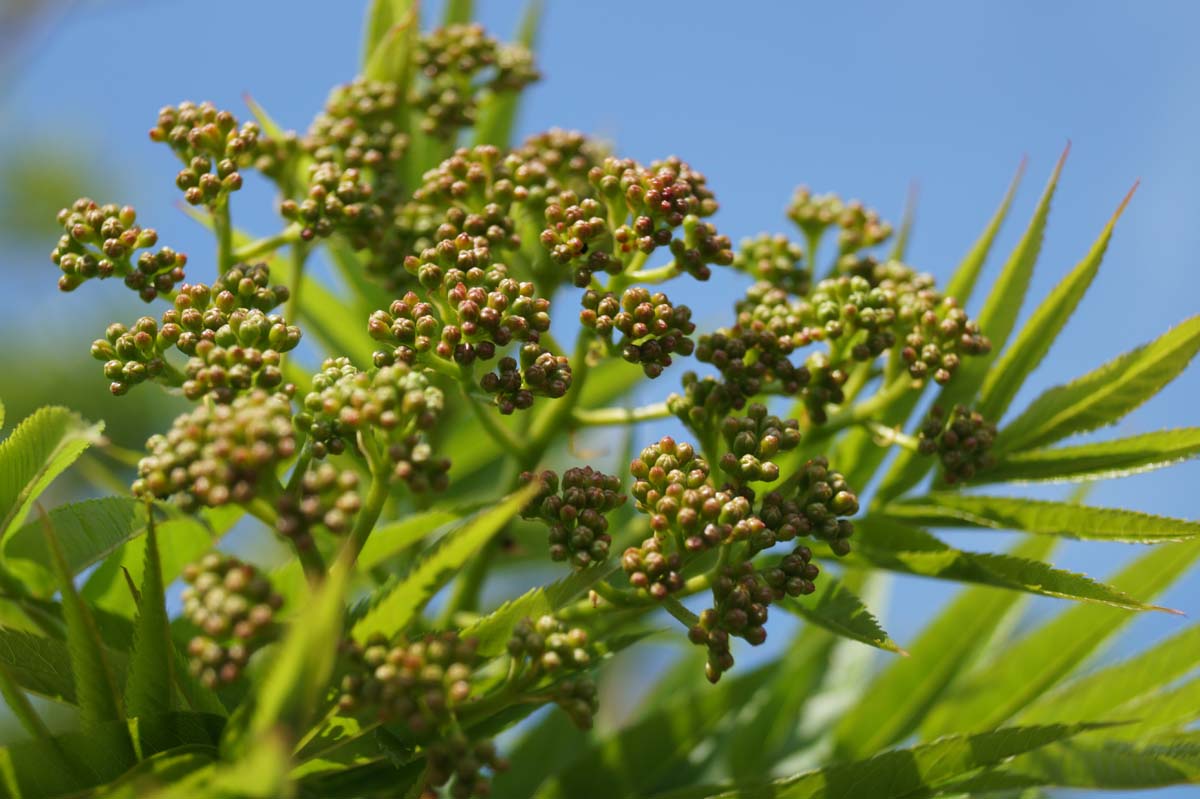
[(859, 98)]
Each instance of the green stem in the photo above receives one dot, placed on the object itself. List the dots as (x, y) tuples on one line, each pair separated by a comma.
[(891, 435), (310, 558), (377, 495), (299, 258), (595, 417), (552, 421), (659, 274), (223, 227), (502, 435), (676, 609), (269, 244)]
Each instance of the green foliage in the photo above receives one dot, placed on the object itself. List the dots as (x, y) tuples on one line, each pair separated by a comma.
[(456, 569)]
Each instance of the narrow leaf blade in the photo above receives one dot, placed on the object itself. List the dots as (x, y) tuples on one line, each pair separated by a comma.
[(1104, 395), (399, 605), (962, 283), (1096, 461), (1043, 327), (839, 610), (1042, 517), (152, 659)]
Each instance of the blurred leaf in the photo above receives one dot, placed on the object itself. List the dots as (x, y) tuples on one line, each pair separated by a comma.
[(74, 762), (962, 283), (628, 762), (1033, 342), (839, 610), (285, 695), (95, 682), (1032, 665), (493, 630), (1152, 762), (189, 537), (904, 233), (1042, 517), (390, 58), (458, 12), (392, 538), (37, 451), (89, 531), (902, 694), (1097, 461), (38, 664), (1104, 395), (399, 603), (889, 544), (382, 16), (151, 661), (498, 112), (40, 175), (905, 772), (1146, 673)]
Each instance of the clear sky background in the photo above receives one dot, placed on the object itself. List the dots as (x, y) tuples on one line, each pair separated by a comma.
[(858, 98)]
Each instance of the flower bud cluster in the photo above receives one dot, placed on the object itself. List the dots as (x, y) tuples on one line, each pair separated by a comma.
[(753, 440), (417, 684), (658, 206), (359, 129), (858, 227), (232, 341), (742, 595), (468, 763), (576, 515), (234, 606), (396, 402), (474, 308), (775, 260), (824, 499), (962, 441), (538, 372), (459, 66), (651, 328), (548, 649), (211, 145), (705, 401), (339, 200), (102, 241), (216, 454), (875, 309), (326, 497)]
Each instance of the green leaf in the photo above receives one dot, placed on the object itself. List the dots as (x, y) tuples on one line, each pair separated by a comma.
[(948, 508), (458, 12), (493, 630), (1144, 674), (38, 664), (1087, 763), (498, 112), (1032, 665), (152, 659), (996, 319), (1103, 396), (286, 693), (20, 706), (904, 772), (1096, 461), (904, 233), (889, 544), (189, 537), (628, 762), (69, 764), (389, 540), (401, 602), (998, 316), (42, 446), (1043, 327), (900, 696), (839, 610), (391, 55), (962, 284), (89, 532), (95, 682), (382, 16)]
